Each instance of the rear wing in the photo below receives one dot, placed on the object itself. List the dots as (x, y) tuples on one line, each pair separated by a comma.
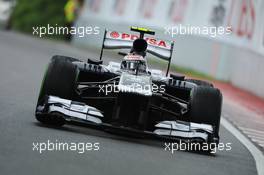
[(119, 40)]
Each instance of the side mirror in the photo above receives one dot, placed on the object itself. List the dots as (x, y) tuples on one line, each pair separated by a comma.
[(177, 76), (122, 53), (96, 62)]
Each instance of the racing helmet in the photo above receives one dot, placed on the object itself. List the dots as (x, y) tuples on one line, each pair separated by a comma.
[(139, 47)]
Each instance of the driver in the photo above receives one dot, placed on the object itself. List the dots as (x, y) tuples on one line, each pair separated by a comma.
[(135, 61)]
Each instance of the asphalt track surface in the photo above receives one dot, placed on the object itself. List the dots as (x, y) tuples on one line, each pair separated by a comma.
[(22, 62)]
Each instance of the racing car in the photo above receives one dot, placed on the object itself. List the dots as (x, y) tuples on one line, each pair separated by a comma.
[(128, 96)]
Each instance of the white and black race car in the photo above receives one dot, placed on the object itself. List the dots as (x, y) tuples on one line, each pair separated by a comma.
[(128, 97)]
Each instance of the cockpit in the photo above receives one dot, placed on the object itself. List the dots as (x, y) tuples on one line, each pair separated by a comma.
[(137, 66)]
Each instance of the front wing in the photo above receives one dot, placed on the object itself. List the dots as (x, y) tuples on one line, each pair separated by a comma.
[(73, 111)]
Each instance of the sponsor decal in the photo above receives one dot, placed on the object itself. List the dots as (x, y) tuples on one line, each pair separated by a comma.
[(132, 37), (114, 34), (133, 57)]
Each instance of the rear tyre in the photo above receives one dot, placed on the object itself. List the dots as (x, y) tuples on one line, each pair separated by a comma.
[(59, 80), (200, 82), (206, 106), (64, 58)]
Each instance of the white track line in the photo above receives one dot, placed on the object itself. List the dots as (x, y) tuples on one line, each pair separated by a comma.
[(260, 139), (256, 153), (257, 141), (251, 130), (253, 133)]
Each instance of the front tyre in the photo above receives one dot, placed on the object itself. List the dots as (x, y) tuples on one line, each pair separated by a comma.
[(59, 80), (206, 106)]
